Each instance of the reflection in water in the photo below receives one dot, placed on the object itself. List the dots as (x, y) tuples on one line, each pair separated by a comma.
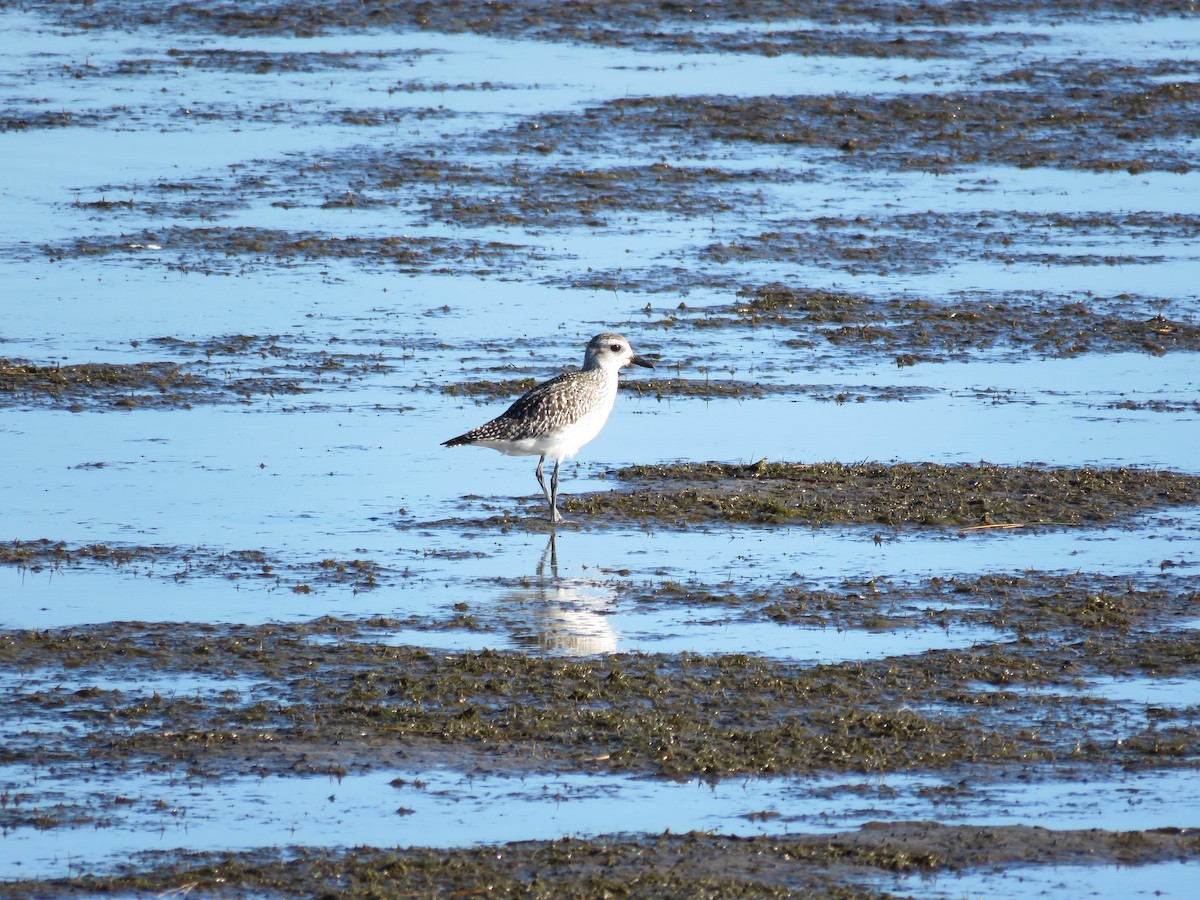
[(568, 616)]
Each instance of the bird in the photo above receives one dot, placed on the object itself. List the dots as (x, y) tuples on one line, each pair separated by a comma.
[(557, 417)]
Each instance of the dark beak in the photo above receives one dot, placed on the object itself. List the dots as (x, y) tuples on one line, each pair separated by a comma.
[(641, 361)]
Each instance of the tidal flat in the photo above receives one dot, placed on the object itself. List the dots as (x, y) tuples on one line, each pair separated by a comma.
[(883, 583)]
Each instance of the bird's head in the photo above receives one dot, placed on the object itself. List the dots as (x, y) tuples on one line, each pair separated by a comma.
[(612, 351)]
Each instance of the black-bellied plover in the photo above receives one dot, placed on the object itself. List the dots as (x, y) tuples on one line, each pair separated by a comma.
[(559, 416)]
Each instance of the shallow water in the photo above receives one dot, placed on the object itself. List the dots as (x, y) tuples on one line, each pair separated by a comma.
[(426, 584), (350, 468), (436, 807), (1168, 879)]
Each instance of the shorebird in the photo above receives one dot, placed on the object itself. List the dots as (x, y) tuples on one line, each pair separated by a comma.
[(557, 417)]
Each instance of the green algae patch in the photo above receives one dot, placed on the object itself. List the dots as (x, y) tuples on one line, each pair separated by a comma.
[(228, 250), (178, 564), (44, 553), (685, 866), (152, 384), (896, 495), (738, 389), (222, 369), (905, 31), (1111, 126), (551, 197), (959, 328), (1075, 606), (485, 390), (321, 697)]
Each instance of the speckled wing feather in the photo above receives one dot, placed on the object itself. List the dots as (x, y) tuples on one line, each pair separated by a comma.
[(551, 405)]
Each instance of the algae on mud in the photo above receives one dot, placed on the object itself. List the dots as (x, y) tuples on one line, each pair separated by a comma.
[(325, 700), (1074, 606), (897, 494), (215, 249), (961, 327), (644, 23), (485, 390), (220, 369), (131, 384), (841, 866), (178, 564), (1096, 129)]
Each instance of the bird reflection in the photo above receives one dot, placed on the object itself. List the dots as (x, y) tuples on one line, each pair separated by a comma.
[(551, 554), (568, 616)]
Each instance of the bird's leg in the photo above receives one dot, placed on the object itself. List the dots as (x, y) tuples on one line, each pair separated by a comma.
[(542, 478), (555, 516), (553, 490)]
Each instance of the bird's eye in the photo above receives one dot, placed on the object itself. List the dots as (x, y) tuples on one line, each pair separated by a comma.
[(615, 348)]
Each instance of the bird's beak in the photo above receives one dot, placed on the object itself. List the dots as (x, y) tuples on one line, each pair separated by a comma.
[(641, 361)]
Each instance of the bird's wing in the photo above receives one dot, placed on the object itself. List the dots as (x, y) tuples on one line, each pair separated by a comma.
[(530, 413)]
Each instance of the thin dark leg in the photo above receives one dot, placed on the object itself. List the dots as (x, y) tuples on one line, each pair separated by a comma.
[(542, 479), (554, 514)]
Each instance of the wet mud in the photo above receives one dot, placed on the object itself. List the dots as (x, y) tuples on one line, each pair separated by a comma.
[(1092, 130), (616, 23), (177, 564), (914, 330), (239, 369), (484, 391), (1076, 607), (215, 250), (544, 195), (327, 698), (830, 867), (895, 495), (962, 497), (919, 243), (536, 176)]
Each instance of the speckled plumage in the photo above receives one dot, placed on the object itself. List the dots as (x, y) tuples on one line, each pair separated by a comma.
[(557, 417)]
